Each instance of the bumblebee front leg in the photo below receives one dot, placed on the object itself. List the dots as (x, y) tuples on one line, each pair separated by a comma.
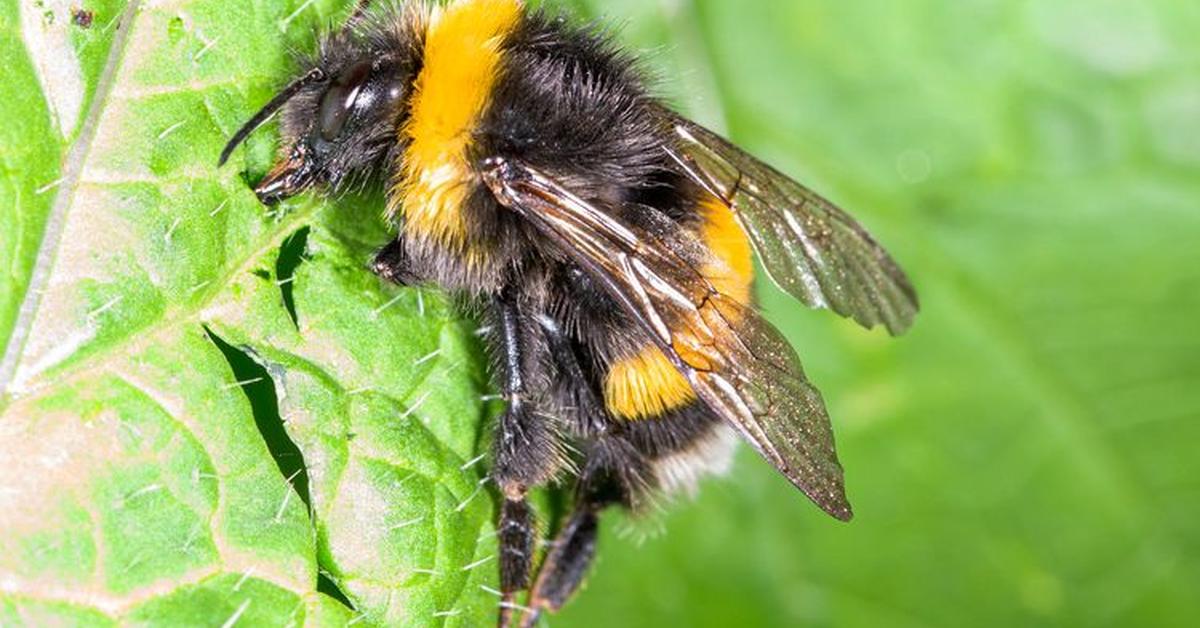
[(525, 448), (393, 263)]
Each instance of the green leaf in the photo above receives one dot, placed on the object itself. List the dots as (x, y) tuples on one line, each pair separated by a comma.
[(212, 413)]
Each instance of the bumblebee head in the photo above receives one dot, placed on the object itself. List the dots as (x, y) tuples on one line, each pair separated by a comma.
[(338, 120)]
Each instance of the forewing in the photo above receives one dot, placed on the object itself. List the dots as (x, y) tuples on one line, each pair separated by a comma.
[(811, 249), (757, 384), (737, 363)]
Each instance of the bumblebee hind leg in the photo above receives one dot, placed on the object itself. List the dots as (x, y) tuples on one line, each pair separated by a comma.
[(623, 467), (614, 474)]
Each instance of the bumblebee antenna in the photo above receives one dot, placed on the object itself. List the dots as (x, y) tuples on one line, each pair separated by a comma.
[(313, 75)]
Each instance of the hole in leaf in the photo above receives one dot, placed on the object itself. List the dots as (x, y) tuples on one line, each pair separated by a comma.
[(259, 389), (291, 255), (326, 585)]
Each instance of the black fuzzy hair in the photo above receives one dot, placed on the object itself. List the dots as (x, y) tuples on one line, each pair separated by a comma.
[(392, 39), (572, 103)]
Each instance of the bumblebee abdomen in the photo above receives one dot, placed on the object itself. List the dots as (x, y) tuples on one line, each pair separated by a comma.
[(724, 238), (646, 384)]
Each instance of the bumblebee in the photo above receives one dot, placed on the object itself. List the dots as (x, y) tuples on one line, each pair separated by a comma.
[(605, 241)]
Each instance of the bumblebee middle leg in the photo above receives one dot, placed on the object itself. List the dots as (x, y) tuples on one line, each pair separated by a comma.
[(526, 447)]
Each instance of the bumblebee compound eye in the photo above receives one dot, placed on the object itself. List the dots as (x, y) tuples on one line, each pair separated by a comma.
[(339, 100)]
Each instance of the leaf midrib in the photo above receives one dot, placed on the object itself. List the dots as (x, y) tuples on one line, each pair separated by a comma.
[(72, 179), (73, 168)]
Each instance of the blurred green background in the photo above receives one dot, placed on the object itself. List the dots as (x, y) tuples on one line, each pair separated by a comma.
[(1027, 455)]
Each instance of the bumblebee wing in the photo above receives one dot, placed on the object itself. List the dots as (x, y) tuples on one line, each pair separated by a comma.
[(737, 363), (811, 249)]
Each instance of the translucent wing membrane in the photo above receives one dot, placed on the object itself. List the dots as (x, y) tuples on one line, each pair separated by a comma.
[(757, 383), (810, 248), (737, 363)]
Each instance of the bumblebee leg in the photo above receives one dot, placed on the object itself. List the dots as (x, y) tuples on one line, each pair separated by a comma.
[(516, 533), (393, 264), (566, 565), (568, 560), (588, 418), (525, 448), (614, 474)]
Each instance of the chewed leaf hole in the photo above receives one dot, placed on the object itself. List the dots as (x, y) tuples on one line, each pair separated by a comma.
[(328, 586), (292, 253), (253, 377), (254, 380)]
